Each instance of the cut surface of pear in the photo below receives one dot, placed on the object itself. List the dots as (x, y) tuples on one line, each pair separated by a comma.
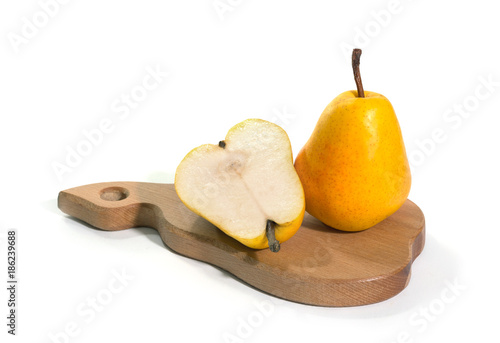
[(243, 182)]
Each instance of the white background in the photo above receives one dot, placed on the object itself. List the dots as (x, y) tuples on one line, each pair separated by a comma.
[(271, 60)]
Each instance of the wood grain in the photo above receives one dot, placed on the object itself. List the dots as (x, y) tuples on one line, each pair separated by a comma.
[(318, 266)]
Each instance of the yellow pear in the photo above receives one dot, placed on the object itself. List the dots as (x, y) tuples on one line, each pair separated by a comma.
[(354, 168), (245, 185)]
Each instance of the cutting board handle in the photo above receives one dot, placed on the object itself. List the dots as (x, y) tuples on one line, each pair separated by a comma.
[(113, 206)]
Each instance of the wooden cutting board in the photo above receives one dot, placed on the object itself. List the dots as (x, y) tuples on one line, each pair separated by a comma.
[(318, 266)]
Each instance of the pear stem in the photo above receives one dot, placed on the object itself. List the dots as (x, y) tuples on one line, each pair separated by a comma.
[(274, 245), (356, 55)]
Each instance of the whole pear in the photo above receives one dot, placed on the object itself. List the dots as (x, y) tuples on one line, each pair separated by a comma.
[(354, 168)]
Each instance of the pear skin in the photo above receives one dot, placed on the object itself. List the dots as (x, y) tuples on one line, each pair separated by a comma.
[(354, 168)]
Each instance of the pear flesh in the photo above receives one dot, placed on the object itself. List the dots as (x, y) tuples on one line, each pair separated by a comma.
[(245, 182)]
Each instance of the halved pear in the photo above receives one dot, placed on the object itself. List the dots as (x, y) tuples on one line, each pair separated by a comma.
[(246, 185)]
